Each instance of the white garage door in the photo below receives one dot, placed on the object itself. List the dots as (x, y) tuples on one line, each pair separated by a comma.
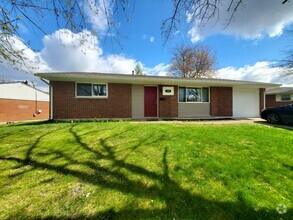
[(245, 102)]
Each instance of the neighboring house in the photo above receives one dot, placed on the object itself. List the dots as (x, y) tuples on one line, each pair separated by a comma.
[(96, 95), (279, 96), (20, 101)]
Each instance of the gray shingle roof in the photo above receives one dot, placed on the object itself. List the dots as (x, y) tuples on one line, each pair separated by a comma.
[(280, 90)]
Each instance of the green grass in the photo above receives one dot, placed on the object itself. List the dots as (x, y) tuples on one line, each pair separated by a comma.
[(120, 170)]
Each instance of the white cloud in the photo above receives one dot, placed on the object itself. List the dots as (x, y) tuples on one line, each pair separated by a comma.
[(252, 20), (98, 14), (150, 38), (63, 52), (259, 72), (22, 70), (158, 70), (33, 63), (7, 73), (32, 59), (67, 51)]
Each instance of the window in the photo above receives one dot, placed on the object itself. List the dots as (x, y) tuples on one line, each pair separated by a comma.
[(193, 94), (205, 95), (84, 89), (91, 90), (182, 94), (99, 90), (285, 97)]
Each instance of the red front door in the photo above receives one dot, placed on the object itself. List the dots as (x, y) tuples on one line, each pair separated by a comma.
[(150, 101)]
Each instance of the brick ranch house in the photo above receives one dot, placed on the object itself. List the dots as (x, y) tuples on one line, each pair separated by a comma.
[(279, 96), (121, 96), (19, 101)]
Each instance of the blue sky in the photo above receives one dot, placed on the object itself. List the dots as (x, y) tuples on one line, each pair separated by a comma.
[(246, 49)]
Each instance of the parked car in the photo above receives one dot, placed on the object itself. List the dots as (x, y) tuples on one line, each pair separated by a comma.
[(275, 115)]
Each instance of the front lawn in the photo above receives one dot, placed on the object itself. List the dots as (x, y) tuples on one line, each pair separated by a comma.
[(120, 170)]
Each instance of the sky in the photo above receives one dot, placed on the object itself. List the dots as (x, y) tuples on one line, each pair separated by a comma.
[(246, 49)]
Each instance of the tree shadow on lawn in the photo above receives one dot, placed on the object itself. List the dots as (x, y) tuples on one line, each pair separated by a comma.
[(179, 202)]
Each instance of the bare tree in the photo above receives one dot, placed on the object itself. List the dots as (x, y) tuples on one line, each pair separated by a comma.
[(200, 11), (287, 61), (192, 62)]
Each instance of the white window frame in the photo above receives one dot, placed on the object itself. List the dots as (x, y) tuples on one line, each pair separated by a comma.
[(92, 90), (198, 87)]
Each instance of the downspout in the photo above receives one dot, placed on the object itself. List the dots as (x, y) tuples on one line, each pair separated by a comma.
[(264, 99), (50, 97), (36, 100)]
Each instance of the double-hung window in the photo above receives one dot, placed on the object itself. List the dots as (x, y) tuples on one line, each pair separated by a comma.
[(91, 90), (193, 94)]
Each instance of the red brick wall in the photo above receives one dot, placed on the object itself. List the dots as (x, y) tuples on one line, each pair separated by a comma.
[(271, 101), (221, 101), (20, 110), (168, 104), (66, 106), (261, 99)]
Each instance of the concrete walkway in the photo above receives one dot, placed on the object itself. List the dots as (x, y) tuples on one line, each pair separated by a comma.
[(204, 122), (208, 122), (218, 122)]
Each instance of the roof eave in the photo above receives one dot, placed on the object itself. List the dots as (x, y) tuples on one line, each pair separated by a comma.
[(129, 79)]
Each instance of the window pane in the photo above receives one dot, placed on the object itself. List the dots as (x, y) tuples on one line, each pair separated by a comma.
[(182, 94), (84, 89), (99, 90), (285, 97), (193, 94), (205, 94)]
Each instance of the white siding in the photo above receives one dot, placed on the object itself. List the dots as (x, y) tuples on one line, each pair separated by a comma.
[(245, 102), (190, 110), (137, 101), (21, 91), (279, 99)]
